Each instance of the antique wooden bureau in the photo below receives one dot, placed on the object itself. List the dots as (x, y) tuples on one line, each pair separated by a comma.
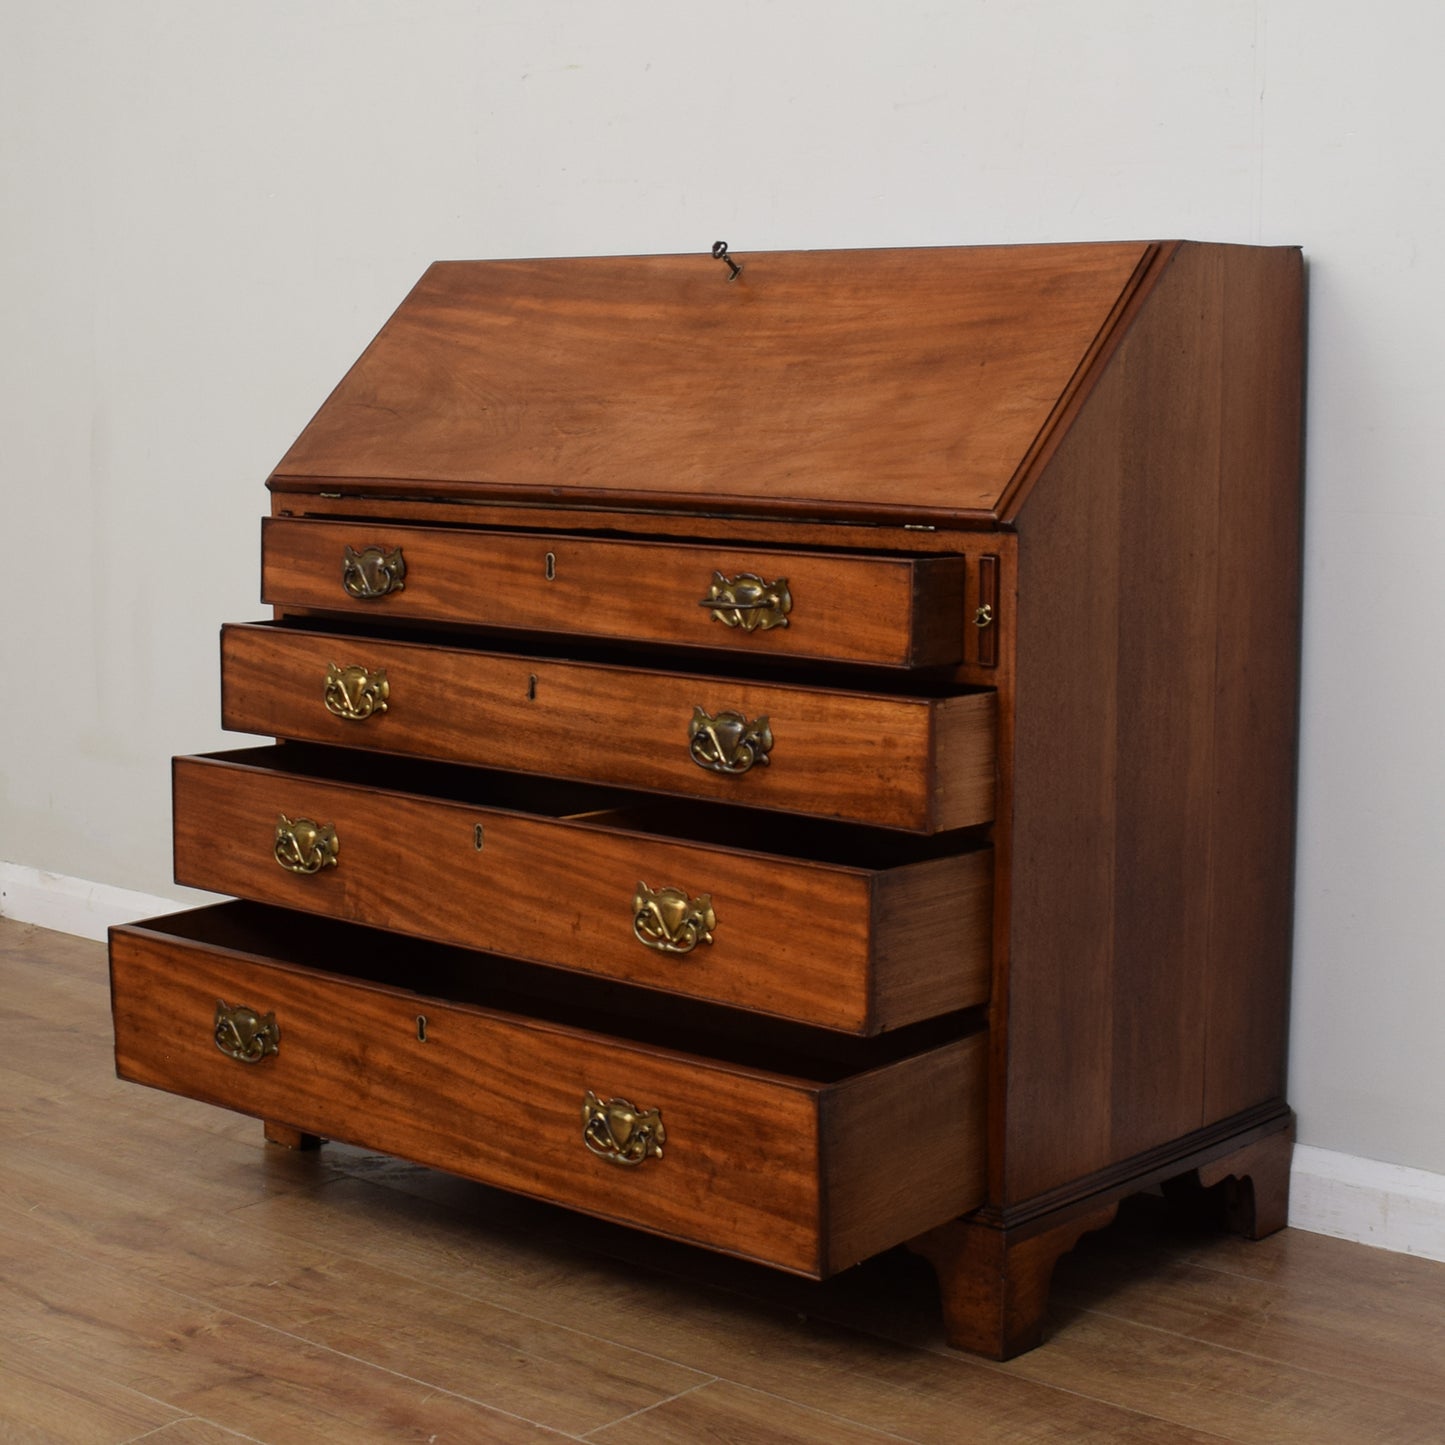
[(794, 753)]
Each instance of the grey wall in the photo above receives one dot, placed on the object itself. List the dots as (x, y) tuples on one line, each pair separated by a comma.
[(206, 210)]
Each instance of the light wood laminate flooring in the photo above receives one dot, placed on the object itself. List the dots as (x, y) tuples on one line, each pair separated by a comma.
[(167, 1276)]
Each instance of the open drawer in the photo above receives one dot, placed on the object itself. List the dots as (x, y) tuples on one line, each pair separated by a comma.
[(888, 610), (843, 928), (846, 1150), (919, 762)]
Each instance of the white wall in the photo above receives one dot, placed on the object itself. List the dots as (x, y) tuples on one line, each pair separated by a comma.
[(207, 208)]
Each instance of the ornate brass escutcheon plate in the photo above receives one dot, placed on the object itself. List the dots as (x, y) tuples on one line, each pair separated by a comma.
[(303, 846), (243, 1034), (374, 572), (748, 601), (668, 921), (728, 742), (619, 1133), (354, 693)]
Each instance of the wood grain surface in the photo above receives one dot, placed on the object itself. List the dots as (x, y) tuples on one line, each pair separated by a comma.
[(1150, 783), (879, 1128), (861, 383), (1256, 682), (921, 764)]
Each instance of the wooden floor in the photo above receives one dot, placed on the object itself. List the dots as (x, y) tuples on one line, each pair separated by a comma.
[(166, 1276)]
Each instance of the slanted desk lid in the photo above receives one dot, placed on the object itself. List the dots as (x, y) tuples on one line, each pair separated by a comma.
[(886, 385)]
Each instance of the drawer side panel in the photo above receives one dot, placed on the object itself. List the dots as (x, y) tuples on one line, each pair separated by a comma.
[(903, 1150), (933, 950)]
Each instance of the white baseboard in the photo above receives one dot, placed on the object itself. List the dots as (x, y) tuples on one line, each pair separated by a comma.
[(1385, 1205), (72, 905)]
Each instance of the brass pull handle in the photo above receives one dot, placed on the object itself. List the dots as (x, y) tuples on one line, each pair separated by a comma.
[(244, 1035), (354, 693), (372, 573), (668, 921), (619, 1133), (728, 742), (748, 601), (303, 846)]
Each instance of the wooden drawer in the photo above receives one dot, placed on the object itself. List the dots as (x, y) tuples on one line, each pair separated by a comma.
[(810, 1170), (924, 764), (888, 610), (865, 932)]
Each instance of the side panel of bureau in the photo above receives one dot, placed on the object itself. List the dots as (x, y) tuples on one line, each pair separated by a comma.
[(1150, 792)]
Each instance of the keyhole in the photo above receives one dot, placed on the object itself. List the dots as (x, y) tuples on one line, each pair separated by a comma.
[(551, 567), (531, 686), (477, 838), (421, 1027)]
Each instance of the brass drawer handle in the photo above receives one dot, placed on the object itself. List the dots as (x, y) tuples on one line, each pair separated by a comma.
[(372, 573), (668, 921), (749, 602), (728, 743), (354, 693), (619, 1133), (303, 846), (244, 1035)]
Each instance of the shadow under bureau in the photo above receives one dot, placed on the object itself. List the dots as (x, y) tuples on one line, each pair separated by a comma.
[(797, 759)]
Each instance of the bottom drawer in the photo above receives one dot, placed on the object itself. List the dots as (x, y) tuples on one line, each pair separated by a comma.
[(525, 1079)]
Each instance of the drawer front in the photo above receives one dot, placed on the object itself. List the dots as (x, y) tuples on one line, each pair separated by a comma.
[(921, 764), (793, 1173), (891, 611), (849, 948)]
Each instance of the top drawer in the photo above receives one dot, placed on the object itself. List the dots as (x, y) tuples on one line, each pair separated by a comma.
[(887, 610)]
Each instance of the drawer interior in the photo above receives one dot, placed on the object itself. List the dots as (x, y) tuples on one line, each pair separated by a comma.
[(458, 976), (815, 840), (838, 927), (715, 665), (609, 526)]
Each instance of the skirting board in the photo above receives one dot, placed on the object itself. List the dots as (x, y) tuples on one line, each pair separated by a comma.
[(71, 905), (1385, 1205)]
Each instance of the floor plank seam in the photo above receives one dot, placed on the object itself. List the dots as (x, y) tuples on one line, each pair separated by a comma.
[(68, 1251), (821, 1414), (197, 1420), (647, 1409), (477, 1298), (1012, 1372), (428, 1385), (1274, 1360)]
